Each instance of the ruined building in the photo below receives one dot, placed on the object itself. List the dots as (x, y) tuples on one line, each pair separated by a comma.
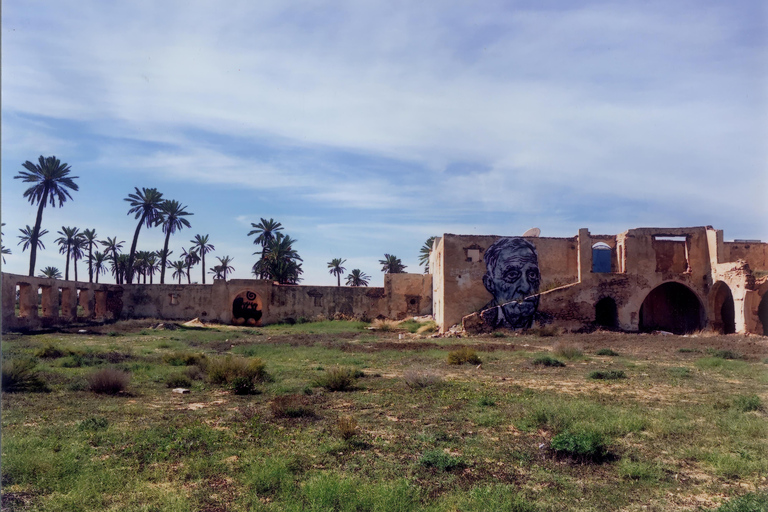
[(671, 279)]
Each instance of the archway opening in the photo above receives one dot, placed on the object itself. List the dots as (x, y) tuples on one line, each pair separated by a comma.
[(671, 307), (723, 308), (247, 308), (762, 313), (601, 258), (606, 313)]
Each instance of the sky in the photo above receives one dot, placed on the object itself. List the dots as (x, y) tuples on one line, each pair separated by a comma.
[(365, 127)]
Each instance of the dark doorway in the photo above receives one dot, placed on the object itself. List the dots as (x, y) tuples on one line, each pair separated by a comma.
[(723, 308), (606, 313), (762, 313), (671, 307)]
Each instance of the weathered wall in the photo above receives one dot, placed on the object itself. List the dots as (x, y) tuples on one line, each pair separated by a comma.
[(755, 254), (402, 295)]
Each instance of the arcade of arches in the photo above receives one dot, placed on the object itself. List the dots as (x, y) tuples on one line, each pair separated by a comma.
[(672, 307)]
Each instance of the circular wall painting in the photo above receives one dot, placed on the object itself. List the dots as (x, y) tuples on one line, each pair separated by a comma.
[(246, 308)]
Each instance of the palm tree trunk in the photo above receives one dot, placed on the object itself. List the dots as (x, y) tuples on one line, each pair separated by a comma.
[(66, 269), (165, 253), (90, 262), (74, 262), (338, 279), (133, 248), (189, 278), (35, 232), (202, 255)]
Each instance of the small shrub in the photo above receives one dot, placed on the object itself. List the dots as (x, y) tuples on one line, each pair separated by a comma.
[(194, 373), (409, 325), (50, 351), (486, 401), (463, 355), (177, 380), (747, 403), (94, 423), (607, 375), (750, 502), (184, 359), (724, 354), (680, 372), (498, 334), (545, 331), (568, 351), (108, 381), (291, 406), (440, 460), (19, 375), (384, 325), (606, 352), (243, 386), (581, 444), (545, 360), (224, 370), (426, 327), (347, 427), (417, 379), (337, 379)]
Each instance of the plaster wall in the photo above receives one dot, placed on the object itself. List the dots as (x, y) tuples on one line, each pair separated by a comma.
[(755, 254)]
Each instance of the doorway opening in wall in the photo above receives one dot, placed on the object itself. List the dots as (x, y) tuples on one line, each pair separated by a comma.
[(762, 313), (17, 301), (601, 258), (672, 307), (82, 302), (606, 313), (671, 253), (723, 308)]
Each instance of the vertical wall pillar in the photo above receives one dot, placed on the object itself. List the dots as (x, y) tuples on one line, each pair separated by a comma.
[(49, 305), (100, 304), (27, 301), (68, 304), (585, 255)]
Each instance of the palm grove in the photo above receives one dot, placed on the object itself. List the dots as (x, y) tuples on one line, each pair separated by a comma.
[(51, 185)]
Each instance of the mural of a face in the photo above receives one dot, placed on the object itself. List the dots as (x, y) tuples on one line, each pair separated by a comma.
[(512, 277)]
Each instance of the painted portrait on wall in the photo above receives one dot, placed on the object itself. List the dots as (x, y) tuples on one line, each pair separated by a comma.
[(512, 277)]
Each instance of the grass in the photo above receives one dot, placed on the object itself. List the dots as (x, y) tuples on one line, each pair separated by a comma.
[(427, 436), (607, 375), (546, 360), (463, 355), (337, 379)]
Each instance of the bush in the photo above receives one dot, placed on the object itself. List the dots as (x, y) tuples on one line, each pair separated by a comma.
[(568, 351), (747, 403), (194, 373), (581, 444), (417, 379), (438, 459), (463, 355), (184, 359), (94, 423), (347, 427), (291, 406), (108, 381), (545, 360), (50, 351), (607, 375), (337, 379), (606, 352), (20, 375), (177, 380), (224, 370), (384, 325), (243, 386), (724, 354), (486, 401)]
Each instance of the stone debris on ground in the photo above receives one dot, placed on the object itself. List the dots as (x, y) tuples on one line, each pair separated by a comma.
[(195, 322)]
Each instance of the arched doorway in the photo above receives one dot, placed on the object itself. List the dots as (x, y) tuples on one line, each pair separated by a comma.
[(247, 308), (762, 313), (723, 308), (606, 313), (672, 307)]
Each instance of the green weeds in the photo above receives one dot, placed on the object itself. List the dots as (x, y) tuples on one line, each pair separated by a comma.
[(463, 355)]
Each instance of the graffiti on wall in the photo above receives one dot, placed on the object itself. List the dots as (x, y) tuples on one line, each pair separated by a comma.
[(246, 308), (512, 277)]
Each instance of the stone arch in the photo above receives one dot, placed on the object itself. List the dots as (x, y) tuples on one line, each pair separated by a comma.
[(672, 307), (723, 308), (606, 313), (247, 308), (762, 313)]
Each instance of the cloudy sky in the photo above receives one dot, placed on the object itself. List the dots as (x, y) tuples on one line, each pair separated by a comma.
[(365, 127)]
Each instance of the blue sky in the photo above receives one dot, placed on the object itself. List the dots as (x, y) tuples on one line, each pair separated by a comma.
[(365, 127)]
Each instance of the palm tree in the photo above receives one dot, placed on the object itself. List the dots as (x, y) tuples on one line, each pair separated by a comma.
[(357, 278), (145, 205), (391, 264), (89, 235), (51, 180), (279, 260), (50, 273), (113, 246), (26, 238), (266, 229), (172, 217), (66, 241), (336, 269), (217, 272), (99, 259), (190, 258), (224, 265), (77, 250), (141, 264), (153, 264), (424, 253), (179, 269), (200, 243), (120, 268), (3, 249)]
